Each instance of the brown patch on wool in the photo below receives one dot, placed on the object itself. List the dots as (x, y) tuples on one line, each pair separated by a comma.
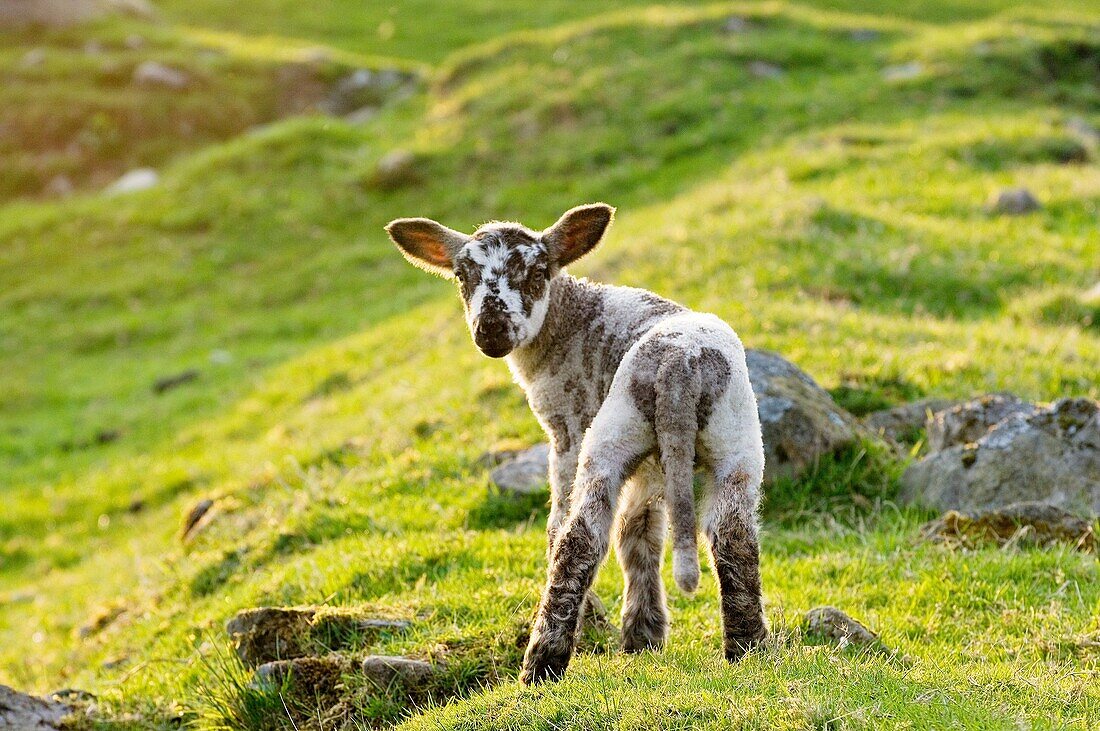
[(714, 370)]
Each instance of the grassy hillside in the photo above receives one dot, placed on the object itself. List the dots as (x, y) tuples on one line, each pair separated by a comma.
[(835, 212)]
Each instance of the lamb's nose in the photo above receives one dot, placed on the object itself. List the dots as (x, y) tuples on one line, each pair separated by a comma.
[(492, 335), (490, 328)]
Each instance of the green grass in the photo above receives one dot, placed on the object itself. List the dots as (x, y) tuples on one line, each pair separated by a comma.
[(830, 214)]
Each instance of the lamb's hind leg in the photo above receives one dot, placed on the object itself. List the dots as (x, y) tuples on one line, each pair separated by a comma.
[(639, 544), (614, 446), (731, 529)]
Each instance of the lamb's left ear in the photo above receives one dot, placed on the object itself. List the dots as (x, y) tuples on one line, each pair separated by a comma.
[(427, 244), (577, 232)]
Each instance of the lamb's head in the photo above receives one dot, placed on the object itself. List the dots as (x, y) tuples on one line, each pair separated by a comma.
[(504, 269)]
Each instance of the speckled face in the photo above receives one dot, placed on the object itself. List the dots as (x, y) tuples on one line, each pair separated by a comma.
[(504, 274)]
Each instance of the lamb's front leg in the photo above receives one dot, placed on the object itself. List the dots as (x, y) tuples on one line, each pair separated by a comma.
[(613, 447), (580, 547), (563, 473)]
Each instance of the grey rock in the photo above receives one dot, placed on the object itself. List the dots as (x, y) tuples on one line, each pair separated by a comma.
[(134, 42), (1026, 523), (268, 634), (736, 24), (30, 713), (864, 35), (765, 70), (1051, 455), (970, 421), (524, 473), (60, 185), (134, 181), (1083, 129), (901, 423), (33, 58), (1015, 202), (152, 73), (800, 420), (385, 671), (836, 627), (903, 71)]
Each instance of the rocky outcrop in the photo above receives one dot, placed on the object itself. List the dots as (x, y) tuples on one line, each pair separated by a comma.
[(269, 634), (800, 420), (968, 422), (1026, 524), (1050, 455)]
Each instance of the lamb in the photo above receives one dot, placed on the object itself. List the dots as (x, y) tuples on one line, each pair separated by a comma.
[(635, 393)]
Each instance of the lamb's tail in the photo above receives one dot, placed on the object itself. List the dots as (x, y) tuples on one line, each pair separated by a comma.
[(676, 425)]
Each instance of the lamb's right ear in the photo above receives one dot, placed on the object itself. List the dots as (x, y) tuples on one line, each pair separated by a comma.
[(578, 231), (427, 244)]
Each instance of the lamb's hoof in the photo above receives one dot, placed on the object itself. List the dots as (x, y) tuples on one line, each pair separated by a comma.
[(639, 636), (737, 648), (542, 663)]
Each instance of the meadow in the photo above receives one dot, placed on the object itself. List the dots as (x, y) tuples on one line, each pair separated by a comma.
[(817, 173)]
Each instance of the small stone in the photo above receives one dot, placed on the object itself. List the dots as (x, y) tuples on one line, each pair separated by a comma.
[(834, 626), (33, 58), (525, 473), (167, 383), (384, 671), (361, 115), (60, 185), (195, 516), (396, 169), (134, 42), (152, 73), (135, 181), (765, 70), (93, 48), (1026, 523), (903, 71), (970, 421), (736, 24), (864, 35), (1015, 202)]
